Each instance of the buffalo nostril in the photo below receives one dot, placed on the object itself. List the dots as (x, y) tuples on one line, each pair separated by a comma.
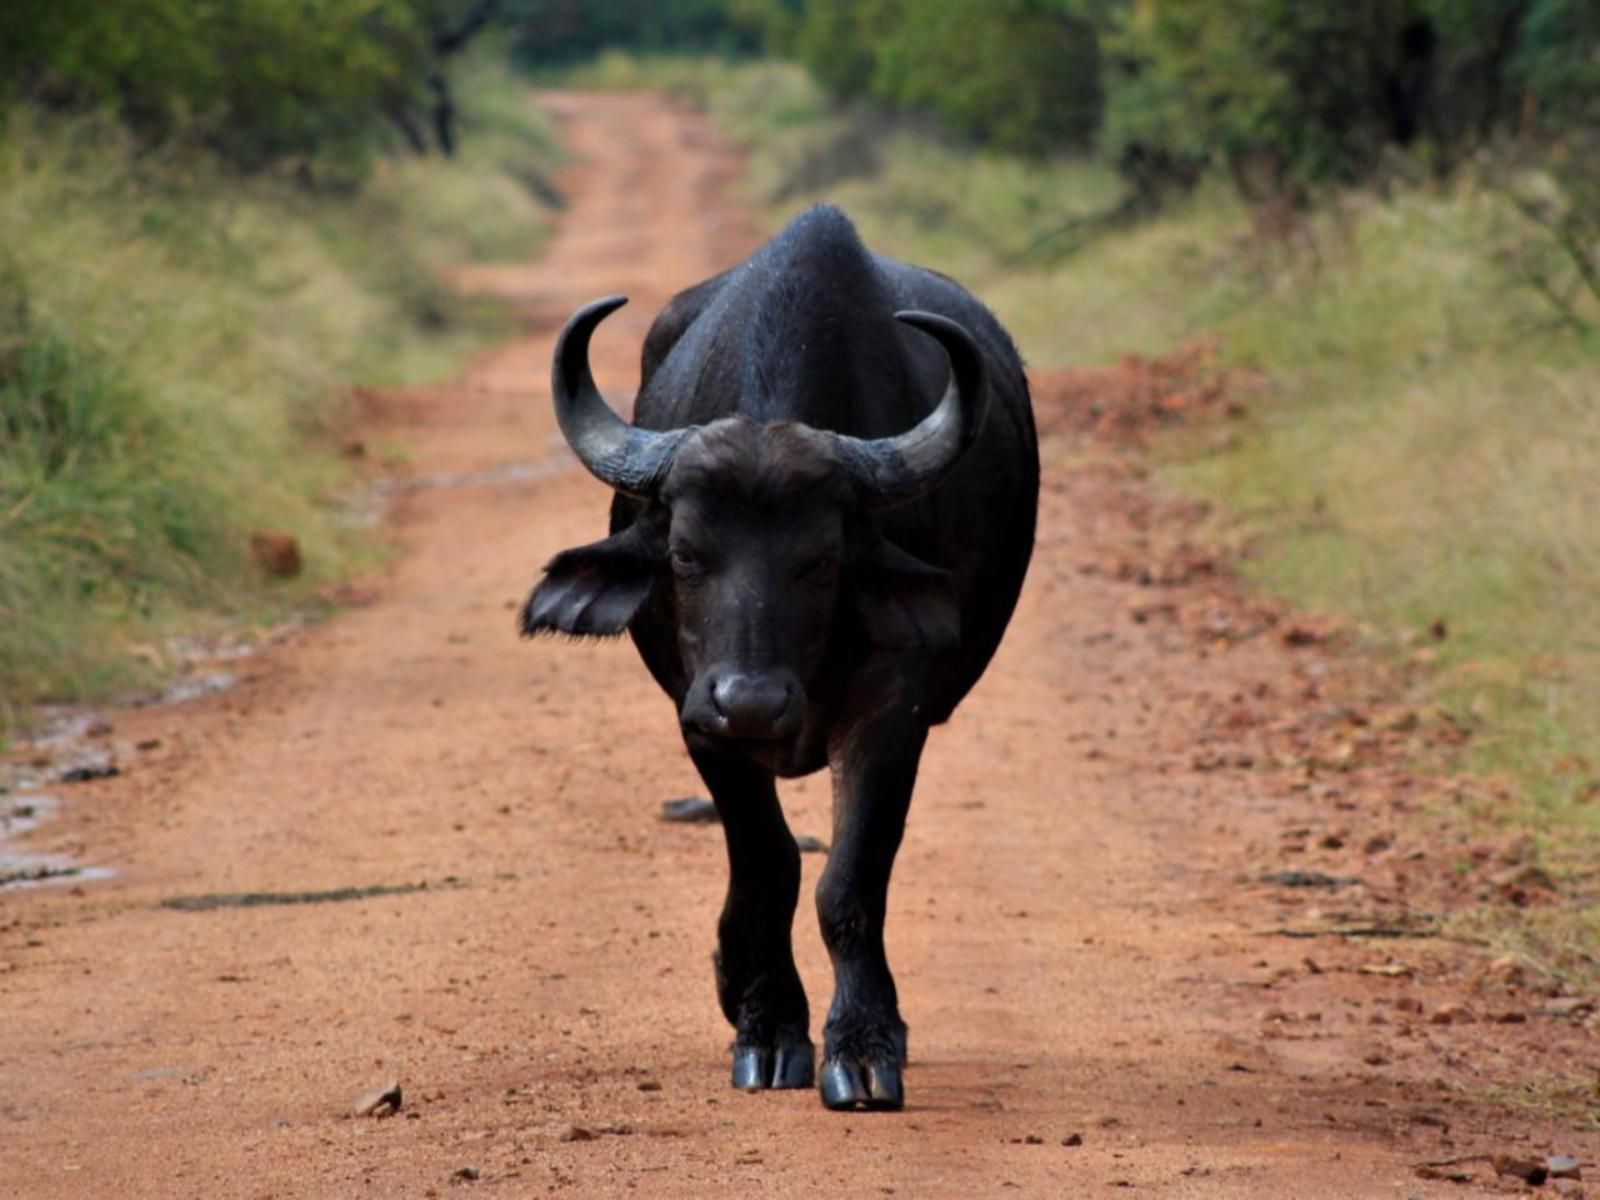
[(753, 705)]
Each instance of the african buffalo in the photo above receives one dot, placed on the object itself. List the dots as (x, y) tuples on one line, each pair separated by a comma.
[(824, 511)]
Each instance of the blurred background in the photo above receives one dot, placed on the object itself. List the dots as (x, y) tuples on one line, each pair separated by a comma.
[(218, 222)]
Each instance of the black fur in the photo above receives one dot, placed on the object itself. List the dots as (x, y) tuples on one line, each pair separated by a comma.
[(594, 590)]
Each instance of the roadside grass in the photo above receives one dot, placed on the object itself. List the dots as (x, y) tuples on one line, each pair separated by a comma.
[(1431, 457), (1430, 451), (697, 78), (175, 342)]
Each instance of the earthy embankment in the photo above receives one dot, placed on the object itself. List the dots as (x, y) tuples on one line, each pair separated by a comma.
[(1103, 990)]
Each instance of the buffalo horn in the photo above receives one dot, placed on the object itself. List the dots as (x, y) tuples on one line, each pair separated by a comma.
[(892, 470), (631, 460)]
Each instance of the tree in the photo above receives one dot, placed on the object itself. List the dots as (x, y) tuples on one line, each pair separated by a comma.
[(549, 31), (1319, 89), (1021, 75), (255, 80)]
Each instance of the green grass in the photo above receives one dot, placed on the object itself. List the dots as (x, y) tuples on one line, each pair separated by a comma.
[(1433, 453), (1430, 449), (687, 76), (174, 344)]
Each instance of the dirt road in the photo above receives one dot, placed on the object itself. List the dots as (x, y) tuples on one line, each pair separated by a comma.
[(1091, 1003)]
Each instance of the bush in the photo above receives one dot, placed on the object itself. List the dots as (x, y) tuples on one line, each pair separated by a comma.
[(1320, 89), (254, 81), (563, 31), (1285, 93), (1021, 75), (174, 341)]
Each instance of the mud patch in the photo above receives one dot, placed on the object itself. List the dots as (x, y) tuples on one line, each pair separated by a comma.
[(210, 901), (23, 876), (1141, 394), (1309, 879)]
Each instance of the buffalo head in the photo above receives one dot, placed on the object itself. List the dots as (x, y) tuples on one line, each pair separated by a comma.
[(756, 539)]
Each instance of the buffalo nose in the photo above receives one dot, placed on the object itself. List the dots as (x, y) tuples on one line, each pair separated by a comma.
[(755, 706)]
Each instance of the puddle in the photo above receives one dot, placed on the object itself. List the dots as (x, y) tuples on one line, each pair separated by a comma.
[(74, 746), (23, 812), (19, 814), (67, 727), (192, 687), (18, 869), (70, 747), (195, 650), (19, 872)]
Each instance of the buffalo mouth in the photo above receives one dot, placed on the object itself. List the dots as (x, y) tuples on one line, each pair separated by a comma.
[(754, 747), (787, 758)]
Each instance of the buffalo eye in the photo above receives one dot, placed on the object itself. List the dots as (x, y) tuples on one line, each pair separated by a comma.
[(685, 561)]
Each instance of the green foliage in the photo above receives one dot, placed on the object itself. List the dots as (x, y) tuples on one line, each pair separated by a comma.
[(86, 523), (1284, 93), (978, 215), (563, 31), (1017, 74), (1558, 61), (1020, 75), (174, 339), (254, 81), (1319, 90), (838, 41), (698, 79), (1431, 452), (1302, 81)]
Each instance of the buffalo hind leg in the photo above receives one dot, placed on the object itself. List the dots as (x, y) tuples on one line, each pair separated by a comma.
[(757, 984), (864, 1041)]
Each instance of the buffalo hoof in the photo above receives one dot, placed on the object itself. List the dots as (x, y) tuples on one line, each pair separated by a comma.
[(756, 1068), (875, 1083)]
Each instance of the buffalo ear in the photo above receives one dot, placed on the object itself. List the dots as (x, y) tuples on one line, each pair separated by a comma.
[(907, 604), (593, 590)]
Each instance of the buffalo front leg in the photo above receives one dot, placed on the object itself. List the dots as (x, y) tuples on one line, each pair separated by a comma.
[(757, 984), (864, 1049)]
